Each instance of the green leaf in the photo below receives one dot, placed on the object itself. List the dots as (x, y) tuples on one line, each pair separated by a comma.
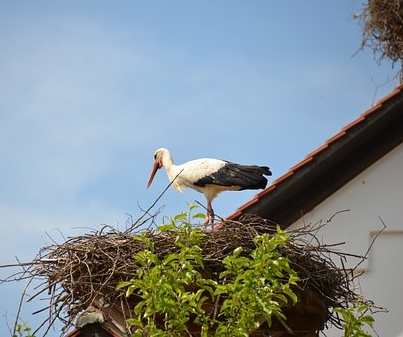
[(130, 290), (199, 216), (369, 320), (137, 309), (169, 258), (192, 206), (123, 284), (221, 289), (288, 291), (165, 227), (134, 322), (237, 251), (180, 216)]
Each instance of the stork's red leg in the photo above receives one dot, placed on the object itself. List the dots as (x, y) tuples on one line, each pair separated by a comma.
[(206, 221), (209, 216)]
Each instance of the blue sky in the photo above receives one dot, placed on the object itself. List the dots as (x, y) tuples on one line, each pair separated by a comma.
[(89, 90)]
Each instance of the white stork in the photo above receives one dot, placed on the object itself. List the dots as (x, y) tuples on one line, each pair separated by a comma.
[(210, 177)]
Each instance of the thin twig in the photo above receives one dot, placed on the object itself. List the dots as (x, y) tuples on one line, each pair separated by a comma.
[(152, 205)]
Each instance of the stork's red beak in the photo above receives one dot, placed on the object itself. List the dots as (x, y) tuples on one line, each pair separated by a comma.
[(156, 166)]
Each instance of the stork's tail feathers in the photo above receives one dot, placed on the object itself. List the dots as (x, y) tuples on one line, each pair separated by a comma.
[(251, 177)]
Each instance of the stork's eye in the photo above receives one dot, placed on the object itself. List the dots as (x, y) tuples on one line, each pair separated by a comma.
[(155, 156)]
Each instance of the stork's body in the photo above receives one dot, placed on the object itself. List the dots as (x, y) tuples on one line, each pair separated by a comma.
[(210, 177)]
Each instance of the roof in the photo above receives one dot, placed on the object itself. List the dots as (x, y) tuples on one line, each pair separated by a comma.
[(325, 170), (95, 329), (95, 322)]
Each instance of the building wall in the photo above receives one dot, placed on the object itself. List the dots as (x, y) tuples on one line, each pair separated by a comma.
[(372, 199)]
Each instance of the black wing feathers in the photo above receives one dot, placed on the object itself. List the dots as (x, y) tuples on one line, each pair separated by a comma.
[(244, 176)]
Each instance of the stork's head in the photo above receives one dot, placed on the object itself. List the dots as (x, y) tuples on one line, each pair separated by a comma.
[(158, 163)]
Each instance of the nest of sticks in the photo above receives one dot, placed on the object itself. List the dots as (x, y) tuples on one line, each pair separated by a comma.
[(87, 268), (382, 28)]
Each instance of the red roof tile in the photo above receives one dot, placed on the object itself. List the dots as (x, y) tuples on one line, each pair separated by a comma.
[(315, 152), (354, 123), (371, 110), (301, 163), (267, 190), (393, 93), (336, 137), (283, 177)]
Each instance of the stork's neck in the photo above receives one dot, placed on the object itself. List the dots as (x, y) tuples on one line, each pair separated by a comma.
[(171, 169)]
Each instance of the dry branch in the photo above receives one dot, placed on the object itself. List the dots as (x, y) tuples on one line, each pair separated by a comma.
[(382, 28)]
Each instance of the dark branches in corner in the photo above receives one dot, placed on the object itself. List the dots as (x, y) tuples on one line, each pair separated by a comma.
[(382, 28)]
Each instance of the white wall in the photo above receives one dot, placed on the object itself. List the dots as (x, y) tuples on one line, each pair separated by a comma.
[(374, 197)]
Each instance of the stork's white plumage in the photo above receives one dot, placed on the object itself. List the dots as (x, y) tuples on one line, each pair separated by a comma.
[(210, 177)]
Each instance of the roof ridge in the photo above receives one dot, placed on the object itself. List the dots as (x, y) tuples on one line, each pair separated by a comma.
[(311, 155)]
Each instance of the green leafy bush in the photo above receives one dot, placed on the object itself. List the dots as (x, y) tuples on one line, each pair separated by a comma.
[(173, 289)]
